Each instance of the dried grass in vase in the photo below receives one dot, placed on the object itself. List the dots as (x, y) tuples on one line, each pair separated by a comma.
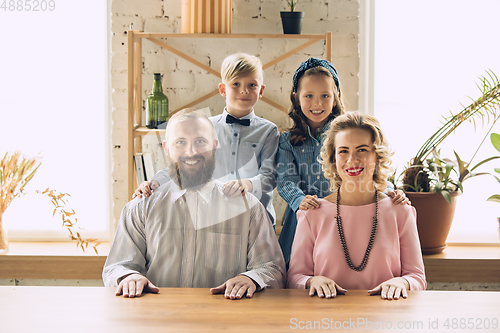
[(68, 219), (15, 172)]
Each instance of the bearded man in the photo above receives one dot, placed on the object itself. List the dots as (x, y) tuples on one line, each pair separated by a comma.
[(188, 233)]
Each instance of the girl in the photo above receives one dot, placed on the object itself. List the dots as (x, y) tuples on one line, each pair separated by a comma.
[(316, 101), (357, 239)]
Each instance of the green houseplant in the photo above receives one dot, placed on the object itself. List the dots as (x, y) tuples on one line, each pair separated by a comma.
[(433, 183), (486, 107), (292, 4), (495, 141), (292, 20)]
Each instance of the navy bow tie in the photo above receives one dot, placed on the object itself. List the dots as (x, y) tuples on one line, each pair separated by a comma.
[(232, 120)]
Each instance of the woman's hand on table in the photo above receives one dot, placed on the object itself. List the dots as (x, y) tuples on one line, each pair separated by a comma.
[(324, 287), (392, 288)]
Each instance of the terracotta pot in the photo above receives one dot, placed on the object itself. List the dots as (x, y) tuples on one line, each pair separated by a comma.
[(434, 218)]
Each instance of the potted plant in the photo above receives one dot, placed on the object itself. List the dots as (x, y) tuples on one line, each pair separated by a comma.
[(495, 140), (292, 20), (432, 184)]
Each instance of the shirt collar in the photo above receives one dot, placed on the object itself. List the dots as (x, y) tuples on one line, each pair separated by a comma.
[(176, 192), (205, 191), (320, 130), (249, 116)]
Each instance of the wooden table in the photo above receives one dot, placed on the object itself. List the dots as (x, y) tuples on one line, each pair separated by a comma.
[(94, 309)]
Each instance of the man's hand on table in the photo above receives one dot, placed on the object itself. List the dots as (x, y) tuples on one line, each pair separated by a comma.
[(236, 287), (134, 285)]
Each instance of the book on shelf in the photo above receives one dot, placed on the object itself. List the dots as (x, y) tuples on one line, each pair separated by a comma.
[(139, 168), (149, 165)]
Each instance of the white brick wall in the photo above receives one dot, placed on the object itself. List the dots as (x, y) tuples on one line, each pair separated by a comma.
[(143, 8), (183, 82)]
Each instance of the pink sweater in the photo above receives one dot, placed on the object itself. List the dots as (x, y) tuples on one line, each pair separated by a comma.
[(317, 250)]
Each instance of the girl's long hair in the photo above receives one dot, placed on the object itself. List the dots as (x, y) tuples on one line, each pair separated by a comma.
[(299, 130)]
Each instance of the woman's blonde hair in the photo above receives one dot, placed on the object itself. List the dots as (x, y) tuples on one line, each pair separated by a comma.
[(239, 65), (382, 151)]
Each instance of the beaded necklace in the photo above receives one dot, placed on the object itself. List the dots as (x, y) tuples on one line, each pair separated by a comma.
[(370, 242)]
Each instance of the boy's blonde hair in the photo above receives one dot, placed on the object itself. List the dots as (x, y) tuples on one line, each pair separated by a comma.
[(239, 65)]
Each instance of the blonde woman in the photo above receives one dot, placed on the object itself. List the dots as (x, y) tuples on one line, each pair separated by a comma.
[(357, 239)]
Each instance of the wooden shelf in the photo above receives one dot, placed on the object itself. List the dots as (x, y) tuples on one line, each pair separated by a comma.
[(135, 38), (139, 131), (52, 260), (237, 36), (468, 251), (464, 263), (61, 260)]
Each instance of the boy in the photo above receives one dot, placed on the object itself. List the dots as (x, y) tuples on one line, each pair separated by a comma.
[(246, 156)]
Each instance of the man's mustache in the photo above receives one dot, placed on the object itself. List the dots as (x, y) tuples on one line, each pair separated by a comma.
[(194, 157)]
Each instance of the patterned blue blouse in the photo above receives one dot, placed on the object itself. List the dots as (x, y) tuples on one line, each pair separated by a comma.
[(299, 172)]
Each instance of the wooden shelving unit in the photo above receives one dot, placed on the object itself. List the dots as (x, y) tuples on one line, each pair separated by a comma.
[(136, 130)]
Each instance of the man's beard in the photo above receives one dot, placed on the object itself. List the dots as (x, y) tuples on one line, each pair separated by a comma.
[(187, 179)]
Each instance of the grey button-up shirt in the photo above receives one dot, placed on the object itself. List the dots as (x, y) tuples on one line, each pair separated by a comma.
[(195, 239)]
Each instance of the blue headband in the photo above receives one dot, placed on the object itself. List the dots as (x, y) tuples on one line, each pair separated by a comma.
[(311, 63)]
